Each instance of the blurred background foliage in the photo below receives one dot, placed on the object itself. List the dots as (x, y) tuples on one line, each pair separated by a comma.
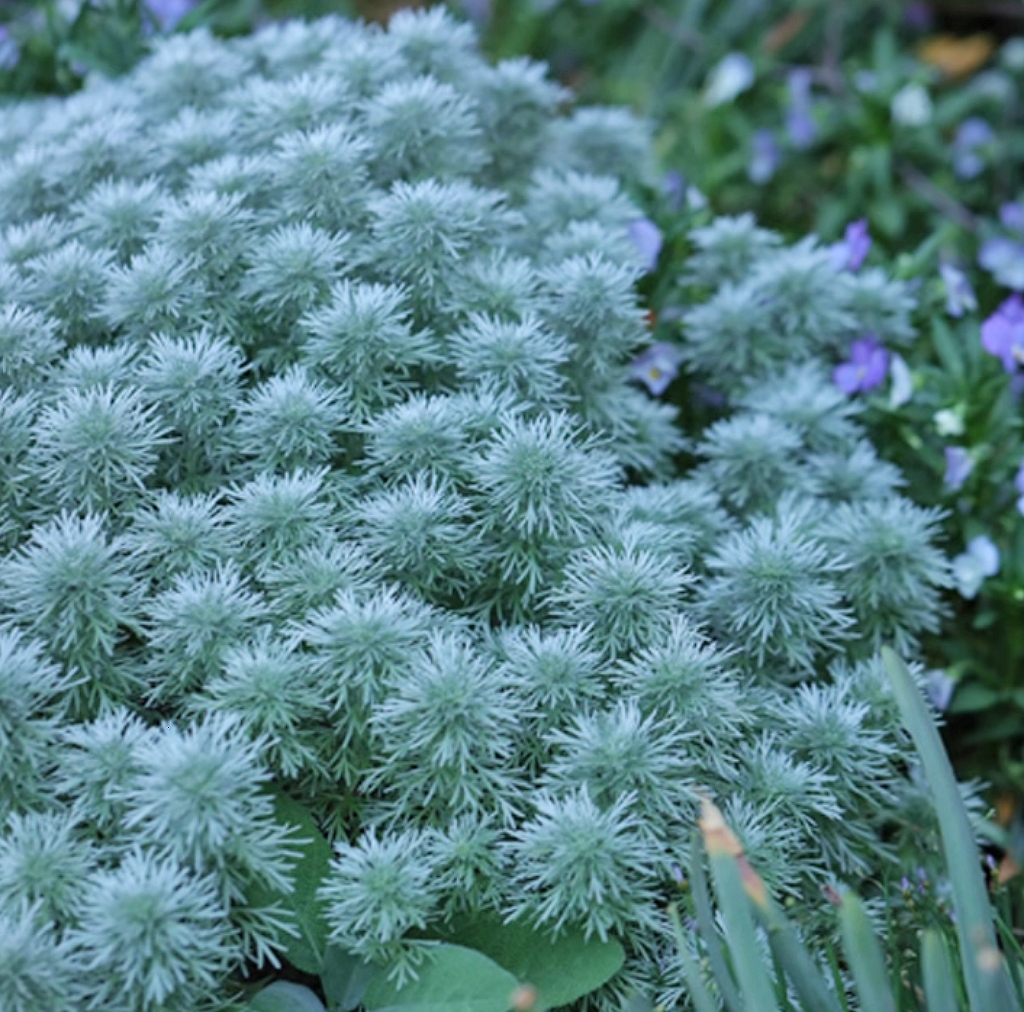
[(811, 114)]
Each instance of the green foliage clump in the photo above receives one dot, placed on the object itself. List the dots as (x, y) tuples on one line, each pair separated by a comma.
[(326, 478)]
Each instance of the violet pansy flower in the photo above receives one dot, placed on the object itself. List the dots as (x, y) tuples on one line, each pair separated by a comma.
[(646, 237), (972, 134), (850, 252), (800, 123), (971, 568), (960, 297), (170, 12), (764, 157), (656, 367), (1012, 216), (959, 465), (673, 185), (1002, 334), (1004, 260), (865, 369)]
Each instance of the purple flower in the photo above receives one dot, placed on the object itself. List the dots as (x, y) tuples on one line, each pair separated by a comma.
[(800, 124), (170, 12), (9, 51), (646, 238), (478, 11), (764, 157), (1018, 484), (656, 367), (1004, 260), (673, 185), (938, 687), (972, 134), (849, 254), (1012, 216), (960, 297), (1002, 334), (866, 368), (918, 15), (971, 568), (959, 465)]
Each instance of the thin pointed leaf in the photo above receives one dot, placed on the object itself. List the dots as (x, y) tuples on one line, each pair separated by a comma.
[(708, 929), (751, 975), (864, 955), (699, 994), (940, 987), (963, 862)]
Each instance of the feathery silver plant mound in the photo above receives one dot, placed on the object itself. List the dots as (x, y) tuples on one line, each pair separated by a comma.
[(320, 465)]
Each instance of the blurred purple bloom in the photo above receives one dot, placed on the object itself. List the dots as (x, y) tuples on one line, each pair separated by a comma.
[(938, 687), (764, 157), (800, 124), (918, 15), (865, 370), (656, 367), (646, 238), (971, 568), (849, 254), (1002, 334), (959, 464), (1018, 484), (1012, 216), (960, 297), (478, 11), (1004, 260), (673, 185), (170, 12), (9, 51), (972, 134)]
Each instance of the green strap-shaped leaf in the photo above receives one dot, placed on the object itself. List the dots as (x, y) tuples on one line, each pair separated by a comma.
[(983, 968), (284, 996), (708, 929), (864, 955), (699, 995), (562, 969), (452, 979), (940, 986), (751, 975)]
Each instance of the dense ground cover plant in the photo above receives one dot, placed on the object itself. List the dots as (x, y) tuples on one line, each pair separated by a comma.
[(333, 482)]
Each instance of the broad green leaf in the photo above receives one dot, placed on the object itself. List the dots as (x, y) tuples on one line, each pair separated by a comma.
[(561, 969), (864, 955), (708, 930), (984, 973), (699, 995), (306, 952), (345, 979), (451, 979), (284, 996)]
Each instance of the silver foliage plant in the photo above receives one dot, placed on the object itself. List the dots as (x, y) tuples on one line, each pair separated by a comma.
[(321, 465)]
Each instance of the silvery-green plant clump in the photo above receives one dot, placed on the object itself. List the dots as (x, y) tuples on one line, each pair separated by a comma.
[(323, 472)]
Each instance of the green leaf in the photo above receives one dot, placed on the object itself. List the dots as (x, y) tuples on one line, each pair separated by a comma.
[(864, 955), (708, 930), (984, 973), (699, 995), (306, 952), (284, 996), (561, 969), (453, 979), (940, 987), (345, 979), (751, 973)]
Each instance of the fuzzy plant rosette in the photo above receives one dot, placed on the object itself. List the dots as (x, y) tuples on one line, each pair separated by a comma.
[(323, 473)]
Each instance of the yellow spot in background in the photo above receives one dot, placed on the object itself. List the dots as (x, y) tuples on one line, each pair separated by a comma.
[(956, 57)]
